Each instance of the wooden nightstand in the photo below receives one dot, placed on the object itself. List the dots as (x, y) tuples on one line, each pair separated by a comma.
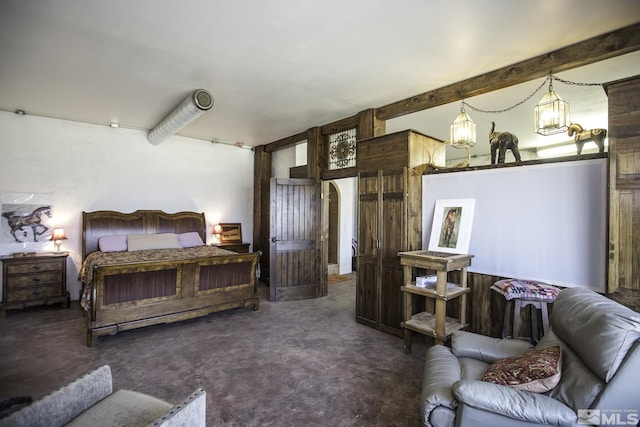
[(242, 248), (34, 280)]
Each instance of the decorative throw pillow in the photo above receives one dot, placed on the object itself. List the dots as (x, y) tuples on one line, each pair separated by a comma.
[(536, 370), (116, 243), (529, 289), (190, 240), (138, 242)]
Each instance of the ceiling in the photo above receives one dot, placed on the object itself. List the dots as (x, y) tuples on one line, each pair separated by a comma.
[(279, 67)]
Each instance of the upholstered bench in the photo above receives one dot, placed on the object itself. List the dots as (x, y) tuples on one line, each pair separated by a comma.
[(520, 294), (90, 401)]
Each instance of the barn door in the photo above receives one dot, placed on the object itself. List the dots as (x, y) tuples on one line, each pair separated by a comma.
[(294, 248)]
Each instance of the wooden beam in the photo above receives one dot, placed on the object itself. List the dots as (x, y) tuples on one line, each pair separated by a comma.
[(592, 50), (285, 142)]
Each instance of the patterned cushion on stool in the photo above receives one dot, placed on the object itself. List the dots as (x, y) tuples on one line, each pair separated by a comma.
[(526, 289)]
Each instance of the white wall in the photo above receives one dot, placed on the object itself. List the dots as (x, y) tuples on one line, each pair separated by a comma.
[(541, 222), (347, 191), (90, 167)]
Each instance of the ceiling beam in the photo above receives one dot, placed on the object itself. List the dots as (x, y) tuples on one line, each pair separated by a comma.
[(619, 42)]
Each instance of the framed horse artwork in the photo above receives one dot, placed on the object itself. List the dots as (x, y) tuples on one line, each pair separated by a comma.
[(451, 227), (26, 218)]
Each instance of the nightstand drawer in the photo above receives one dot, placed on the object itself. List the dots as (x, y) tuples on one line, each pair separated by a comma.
[(34, 280), (34, 267), (35, 292)]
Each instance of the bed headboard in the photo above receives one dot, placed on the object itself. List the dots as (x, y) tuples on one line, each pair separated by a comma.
[(105, 223)]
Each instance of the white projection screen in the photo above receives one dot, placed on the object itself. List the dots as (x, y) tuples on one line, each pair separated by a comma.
[(540, 222)]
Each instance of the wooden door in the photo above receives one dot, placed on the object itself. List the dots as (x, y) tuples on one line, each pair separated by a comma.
[(294, 251), (393, 231), (624, 185), (382, 232), (367, 298)]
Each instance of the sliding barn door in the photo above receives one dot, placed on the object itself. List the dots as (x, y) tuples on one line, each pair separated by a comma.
[(294, 251)]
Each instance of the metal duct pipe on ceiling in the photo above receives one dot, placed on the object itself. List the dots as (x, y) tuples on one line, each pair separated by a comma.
[(190, 109)]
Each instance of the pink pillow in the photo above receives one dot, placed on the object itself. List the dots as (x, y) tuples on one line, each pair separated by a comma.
[(116, 243), (189, 240)]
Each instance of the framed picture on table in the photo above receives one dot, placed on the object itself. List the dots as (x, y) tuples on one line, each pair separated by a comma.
[(451, 228), (231, 232)]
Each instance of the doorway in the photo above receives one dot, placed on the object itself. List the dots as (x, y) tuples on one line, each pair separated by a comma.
[(334, 230), (342, 225)]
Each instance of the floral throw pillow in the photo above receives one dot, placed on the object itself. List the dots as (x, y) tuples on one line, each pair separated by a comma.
[(536, 370)]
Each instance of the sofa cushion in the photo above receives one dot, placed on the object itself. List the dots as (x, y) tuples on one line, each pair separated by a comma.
[(64, 404), (598, 330), (443, 370), (472, 369), (536, 370), (578, 386), (122, 408)]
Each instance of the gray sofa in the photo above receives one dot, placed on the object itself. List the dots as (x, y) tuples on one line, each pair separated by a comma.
[(600, 342), (90, 401)]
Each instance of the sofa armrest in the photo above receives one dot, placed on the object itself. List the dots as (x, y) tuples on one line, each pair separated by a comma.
[(66, 403), (487, 349), (517, 404), (191, 412), (441, 371)]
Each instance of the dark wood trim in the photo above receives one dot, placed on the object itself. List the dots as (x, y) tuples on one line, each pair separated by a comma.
[(315, 155), (340, 125), (261, 210), (586, 52), (285, 142), (369, 125), (431, 170)]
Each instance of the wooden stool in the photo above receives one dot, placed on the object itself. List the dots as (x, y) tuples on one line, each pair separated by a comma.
[(520, 293), (536, 306)]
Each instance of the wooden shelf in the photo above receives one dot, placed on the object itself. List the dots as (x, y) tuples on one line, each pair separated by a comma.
[(425, 323), (453, 291), (436, 324)]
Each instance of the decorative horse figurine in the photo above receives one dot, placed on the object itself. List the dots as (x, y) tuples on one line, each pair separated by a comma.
[(582, 136), (500, 143), (33, 220)]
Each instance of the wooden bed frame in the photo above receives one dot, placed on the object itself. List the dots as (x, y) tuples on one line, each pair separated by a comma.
[(149, 293)]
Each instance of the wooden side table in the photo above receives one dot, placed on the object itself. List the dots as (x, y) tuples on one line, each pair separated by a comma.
[(35, 279), (435, 324)]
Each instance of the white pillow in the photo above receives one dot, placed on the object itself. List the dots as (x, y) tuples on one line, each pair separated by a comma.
[(139, 242), (190, 240), (115, 243)]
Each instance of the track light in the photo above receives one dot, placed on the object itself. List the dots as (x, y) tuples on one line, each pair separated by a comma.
[(190, 109)]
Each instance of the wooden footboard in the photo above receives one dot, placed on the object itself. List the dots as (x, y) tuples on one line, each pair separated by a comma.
[(138, 295)]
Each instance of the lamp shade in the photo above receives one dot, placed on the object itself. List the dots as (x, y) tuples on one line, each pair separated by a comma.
[(551, 115), (217, 229), (58, 234), (463, 131)]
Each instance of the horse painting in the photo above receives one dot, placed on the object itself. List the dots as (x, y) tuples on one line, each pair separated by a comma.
[(449, 225), (18, 223), (582, 136)]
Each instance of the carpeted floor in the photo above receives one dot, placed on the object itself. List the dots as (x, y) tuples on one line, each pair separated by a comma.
[(289, 364)]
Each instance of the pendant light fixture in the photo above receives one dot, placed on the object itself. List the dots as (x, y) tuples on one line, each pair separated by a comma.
[(463, 130), (551, 115)]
